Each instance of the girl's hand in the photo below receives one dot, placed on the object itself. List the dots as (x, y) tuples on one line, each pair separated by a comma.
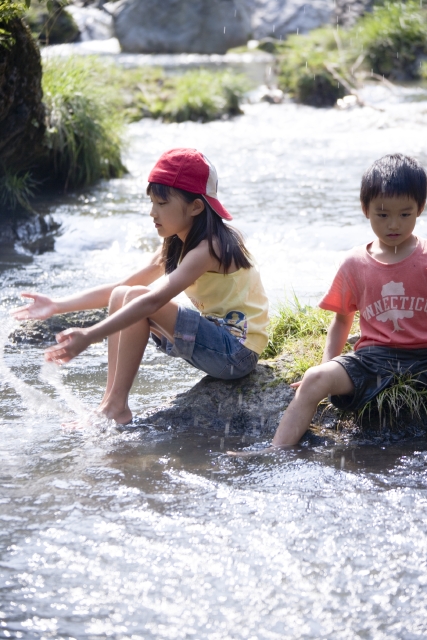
[(71, 342), (40, 308), (295, 385)]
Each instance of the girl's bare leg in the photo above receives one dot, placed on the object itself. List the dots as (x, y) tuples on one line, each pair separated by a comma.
[(318, 382), (126, 354), (116, 303)]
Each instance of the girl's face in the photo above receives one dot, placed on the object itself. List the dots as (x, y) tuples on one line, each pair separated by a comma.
[(174, 216)]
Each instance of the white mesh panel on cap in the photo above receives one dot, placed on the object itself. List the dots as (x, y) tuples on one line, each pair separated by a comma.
[(212, 183)]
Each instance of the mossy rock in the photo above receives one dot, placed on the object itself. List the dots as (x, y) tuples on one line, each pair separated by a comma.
[(54, 27), (269, 45), (318, 90), (394, 38), (22, 113)]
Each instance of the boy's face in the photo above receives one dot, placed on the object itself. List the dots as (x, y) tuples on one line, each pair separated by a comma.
[(392, 219)]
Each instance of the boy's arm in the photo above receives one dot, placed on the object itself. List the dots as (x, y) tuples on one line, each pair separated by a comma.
[(337, 335), (43, 307)]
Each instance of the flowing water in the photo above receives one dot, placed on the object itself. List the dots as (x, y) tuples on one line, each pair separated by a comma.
[(147, 534)]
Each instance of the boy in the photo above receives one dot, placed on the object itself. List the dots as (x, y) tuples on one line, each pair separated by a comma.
[(387, 282)]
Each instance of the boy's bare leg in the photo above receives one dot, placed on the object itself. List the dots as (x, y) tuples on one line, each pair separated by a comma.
[(318, 382), (126, 354)]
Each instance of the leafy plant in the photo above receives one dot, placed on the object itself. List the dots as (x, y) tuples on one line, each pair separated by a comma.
[(393, 38), (9, 11), (203, 95), (303, 71), (405, 394), (85, 125), (17, 191)]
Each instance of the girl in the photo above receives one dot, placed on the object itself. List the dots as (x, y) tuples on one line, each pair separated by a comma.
[(201, 256)]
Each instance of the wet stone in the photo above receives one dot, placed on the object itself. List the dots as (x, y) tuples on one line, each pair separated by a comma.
[(44, 331)]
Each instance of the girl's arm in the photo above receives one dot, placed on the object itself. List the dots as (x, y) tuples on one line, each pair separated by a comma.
[(43, 307), (337, 335), (73, 341)]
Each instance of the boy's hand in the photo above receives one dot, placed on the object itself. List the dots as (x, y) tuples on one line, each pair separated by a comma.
[(295, 385), (71, 342), (40, 308)]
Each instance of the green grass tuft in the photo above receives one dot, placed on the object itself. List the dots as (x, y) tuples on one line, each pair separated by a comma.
[(17, 191), (204, 95), (85, 123), (321, 66), (298, 332), (406, 394), (394, 37)]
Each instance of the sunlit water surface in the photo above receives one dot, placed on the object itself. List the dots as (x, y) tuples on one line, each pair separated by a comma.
[(147, 534)]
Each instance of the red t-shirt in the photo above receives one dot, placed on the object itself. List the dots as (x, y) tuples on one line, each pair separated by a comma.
[(391, 298)]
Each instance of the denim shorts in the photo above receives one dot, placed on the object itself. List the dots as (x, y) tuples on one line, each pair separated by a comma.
[(373, 369), (208, 347)]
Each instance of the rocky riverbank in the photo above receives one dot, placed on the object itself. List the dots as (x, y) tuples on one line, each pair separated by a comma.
[(250, 407)]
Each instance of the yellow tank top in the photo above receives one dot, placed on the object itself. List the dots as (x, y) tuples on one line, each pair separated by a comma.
[(236, 300)]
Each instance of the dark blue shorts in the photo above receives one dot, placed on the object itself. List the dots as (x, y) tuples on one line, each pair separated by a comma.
[(208, 347), (373, 369)]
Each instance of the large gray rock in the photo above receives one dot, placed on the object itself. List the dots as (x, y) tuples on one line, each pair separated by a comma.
[(93, 23), (197, 26), (278, 18), (180, 26)]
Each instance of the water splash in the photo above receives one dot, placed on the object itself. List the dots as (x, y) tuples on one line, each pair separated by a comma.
[(35, 400)]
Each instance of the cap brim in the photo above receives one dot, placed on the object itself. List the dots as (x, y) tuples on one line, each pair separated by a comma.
[(217, 207)]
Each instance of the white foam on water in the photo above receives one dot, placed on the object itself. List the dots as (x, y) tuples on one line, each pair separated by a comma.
[(35, 401), (51, 373)]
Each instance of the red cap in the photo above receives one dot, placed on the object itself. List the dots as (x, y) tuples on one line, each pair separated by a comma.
[(190, 170)]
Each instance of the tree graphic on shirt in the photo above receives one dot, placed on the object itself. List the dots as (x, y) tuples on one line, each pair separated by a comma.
[(394, 289)]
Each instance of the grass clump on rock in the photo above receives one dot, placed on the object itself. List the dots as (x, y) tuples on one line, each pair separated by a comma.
[(406, 396), (297, 333), (303, 71), (84, 122), (394, 37), (391, 42), (200, 95)]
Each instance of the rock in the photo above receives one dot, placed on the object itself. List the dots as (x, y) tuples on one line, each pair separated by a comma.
[(180, 26), (250, 405), (44, 331), (277, 18), (93, 23), (22, 113), (253, 406), (54, 27), (31, 231)]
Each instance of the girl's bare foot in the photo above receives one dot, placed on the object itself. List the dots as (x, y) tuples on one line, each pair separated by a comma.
[(121, 416)]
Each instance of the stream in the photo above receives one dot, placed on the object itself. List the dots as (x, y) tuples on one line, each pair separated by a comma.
[(131, 534)]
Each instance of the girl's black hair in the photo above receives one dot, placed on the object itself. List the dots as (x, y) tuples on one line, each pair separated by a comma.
[(393, 176), (208, 225)]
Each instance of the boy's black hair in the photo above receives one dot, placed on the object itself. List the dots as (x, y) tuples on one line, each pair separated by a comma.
[(206, 226), (393, 176)]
